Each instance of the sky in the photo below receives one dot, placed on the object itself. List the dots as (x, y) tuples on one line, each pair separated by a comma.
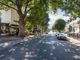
[(54, 17)]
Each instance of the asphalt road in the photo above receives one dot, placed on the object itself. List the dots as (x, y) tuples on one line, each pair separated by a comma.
[(44, 48)]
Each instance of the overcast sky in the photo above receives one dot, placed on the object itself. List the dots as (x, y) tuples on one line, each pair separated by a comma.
[(54, 17)]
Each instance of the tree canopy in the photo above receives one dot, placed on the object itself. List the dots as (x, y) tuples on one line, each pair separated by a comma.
[(25, 8), (71, 7), (59, 25)]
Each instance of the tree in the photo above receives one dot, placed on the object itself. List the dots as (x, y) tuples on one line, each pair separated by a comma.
[(71, 7), (59, 25), (17, 5), (24, 7), (38, 21)]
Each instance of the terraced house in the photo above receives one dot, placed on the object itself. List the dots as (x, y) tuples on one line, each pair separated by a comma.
[(73, 27), (8, 22)]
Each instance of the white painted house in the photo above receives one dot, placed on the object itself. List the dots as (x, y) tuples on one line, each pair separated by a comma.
[(7, 20), (73, 27), (8, 16)]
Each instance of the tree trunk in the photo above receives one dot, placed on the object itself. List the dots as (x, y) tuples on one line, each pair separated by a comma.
[(21, 27), (21, 24), (21, 19)]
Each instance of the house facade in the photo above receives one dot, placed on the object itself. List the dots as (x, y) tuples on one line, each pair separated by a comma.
[(7, 21), (73, 27)]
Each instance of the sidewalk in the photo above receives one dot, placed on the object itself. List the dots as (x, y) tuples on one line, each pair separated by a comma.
[(7, 39), (74, 41), (32, 37), (6, 42)]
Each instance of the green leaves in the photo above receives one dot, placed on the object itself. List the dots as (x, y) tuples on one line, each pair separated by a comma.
[(72, 7), (59, 25), (5, 4), (38, 16), (33, 12), (54, 5)]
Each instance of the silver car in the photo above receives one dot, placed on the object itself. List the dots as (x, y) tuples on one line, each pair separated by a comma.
[(61, 36)]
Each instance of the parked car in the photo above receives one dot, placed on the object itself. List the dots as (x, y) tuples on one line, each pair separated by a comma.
[(61, 36), (56, 34)]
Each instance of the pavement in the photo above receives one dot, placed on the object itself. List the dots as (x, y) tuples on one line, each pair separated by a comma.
[(7, 39), (74, 41), (44, 48), (8, 42)]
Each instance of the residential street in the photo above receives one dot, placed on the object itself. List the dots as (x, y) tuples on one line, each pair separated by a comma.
[(44, 48)]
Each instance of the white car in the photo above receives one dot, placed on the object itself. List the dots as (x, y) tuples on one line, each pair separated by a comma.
[(61, 36), (56, 34)]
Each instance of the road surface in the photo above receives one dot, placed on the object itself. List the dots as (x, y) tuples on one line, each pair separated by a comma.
[(44, 48)]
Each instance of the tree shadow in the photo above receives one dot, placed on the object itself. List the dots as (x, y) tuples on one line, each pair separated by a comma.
[(45, 50)]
